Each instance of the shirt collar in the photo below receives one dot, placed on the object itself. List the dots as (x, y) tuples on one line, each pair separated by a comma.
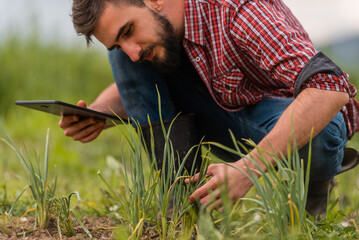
[(193, 22)]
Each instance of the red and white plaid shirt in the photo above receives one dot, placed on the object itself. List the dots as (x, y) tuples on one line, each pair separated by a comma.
[(247, 50)]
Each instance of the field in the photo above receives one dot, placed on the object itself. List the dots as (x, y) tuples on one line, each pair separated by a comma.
[(108, 203)]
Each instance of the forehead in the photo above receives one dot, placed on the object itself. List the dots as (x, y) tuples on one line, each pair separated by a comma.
[(115, 16)]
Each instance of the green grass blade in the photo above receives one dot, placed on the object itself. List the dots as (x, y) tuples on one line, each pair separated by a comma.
[(81, 223), (14, 147), (46, 159), (18, 197)]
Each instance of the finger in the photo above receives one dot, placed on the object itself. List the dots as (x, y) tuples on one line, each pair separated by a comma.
[(82, 103), (91, 136), (217, 204), (204, 190), (220, 209), (76, 127), (88, 131), (68, 121), (193, 179), (211, 197), (209, 172)]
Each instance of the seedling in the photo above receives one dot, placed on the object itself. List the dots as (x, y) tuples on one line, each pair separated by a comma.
[(42, 192), (142, 187), (138, 191), (281, 191), (3, 214), (65, 215)]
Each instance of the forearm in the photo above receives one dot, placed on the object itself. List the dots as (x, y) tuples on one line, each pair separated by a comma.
[(312, 109), (109, 100)]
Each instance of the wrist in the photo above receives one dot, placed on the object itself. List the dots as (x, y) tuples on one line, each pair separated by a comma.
[(251, 163)]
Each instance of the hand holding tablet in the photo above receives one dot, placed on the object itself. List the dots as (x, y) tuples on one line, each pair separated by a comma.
[(64, 109), (78, 122)]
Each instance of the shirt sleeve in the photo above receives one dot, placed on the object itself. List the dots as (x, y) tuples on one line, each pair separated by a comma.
[(321, 72), (278, 44)]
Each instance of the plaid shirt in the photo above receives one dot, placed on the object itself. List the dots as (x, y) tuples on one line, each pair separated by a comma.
[(247, 50)]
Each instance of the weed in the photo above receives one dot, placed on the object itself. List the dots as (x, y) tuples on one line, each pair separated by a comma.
[(6, 210), (3, 225), (4, 203), (64, 215)]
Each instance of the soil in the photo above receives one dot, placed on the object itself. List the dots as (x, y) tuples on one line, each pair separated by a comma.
[(100, 228)]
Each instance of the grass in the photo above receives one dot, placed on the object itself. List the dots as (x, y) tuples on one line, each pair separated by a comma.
[(30, 71), (281, 192), (65, 215), (149, 189), (45, 201), (38, 182), (136, 194)]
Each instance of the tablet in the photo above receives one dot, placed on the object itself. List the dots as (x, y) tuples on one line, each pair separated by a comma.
[(63, 109)]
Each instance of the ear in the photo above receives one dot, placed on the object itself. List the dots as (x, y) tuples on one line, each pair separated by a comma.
[(155, 5)]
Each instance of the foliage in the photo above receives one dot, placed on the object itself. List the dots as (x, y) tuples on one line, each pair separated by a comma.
[(42, 192), (282, 196), (147, 189), (65, 214), (334, 227), (279, 203)]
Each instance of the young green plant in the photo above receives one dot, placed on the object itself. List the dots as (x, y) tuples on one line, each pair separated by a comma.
[(281, 191), (4, 204), (138, 191), (38, 181), (65, 215), (7, 213), (172, 191), (142, 187)]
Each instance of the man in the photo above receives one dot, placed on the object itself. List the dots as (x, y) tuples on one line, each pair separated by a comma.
[(243, 65)]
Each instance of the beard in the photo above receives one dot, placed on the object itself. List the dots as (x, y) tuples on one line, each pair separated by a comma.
[(168, 41)]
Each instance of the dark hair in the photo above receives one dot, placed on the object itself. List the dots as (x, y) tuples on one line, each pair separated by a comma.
[(86, 14)]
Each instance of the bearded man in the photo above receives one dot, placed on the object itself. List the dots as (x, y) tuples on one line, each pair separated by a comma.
[(244, 65)]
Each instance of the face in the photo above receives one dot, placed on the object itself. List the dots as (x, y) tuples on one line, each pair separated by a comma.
[(141, 33)]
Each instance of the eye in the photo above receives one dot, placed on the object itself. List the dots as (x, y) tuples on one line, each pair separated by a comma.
[(128, 31)]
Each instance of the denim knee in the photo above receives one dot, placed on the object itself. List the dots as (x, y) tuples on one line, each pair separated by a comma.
[(327, 150)]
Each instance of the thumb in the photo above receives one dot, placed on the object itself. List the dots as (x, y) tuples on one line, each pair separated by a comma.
[(82, 103)]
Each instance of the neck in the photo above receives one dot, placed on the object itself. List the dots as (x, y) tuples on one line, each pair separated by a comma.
[(174, 11)]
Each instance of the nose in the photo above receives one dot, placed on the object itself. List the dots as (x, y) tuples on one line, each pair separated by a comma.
[(132, 50)]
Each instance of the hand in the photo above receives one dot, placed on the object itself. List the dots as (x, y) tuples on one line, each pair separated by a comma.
[(84, 130), (238, 184)]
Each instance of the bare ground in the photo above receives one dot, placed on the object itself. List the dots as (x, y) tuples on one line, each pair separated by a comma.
[(100, 228)]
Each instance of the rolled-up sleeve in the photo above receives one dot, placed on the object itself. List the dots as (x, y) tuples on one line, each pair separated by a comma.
[(322, 73)]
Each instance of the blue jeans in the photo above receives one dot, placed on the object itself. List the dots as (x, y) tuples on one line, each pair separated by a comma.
[(183, 91)]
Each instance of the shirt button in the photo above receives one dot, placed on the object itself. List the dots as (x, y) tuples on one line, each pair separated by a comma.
[(198, 59)]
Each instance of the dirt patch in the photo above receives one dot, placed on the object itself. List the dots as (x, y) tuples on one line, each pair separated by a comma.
[(100, 228)]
